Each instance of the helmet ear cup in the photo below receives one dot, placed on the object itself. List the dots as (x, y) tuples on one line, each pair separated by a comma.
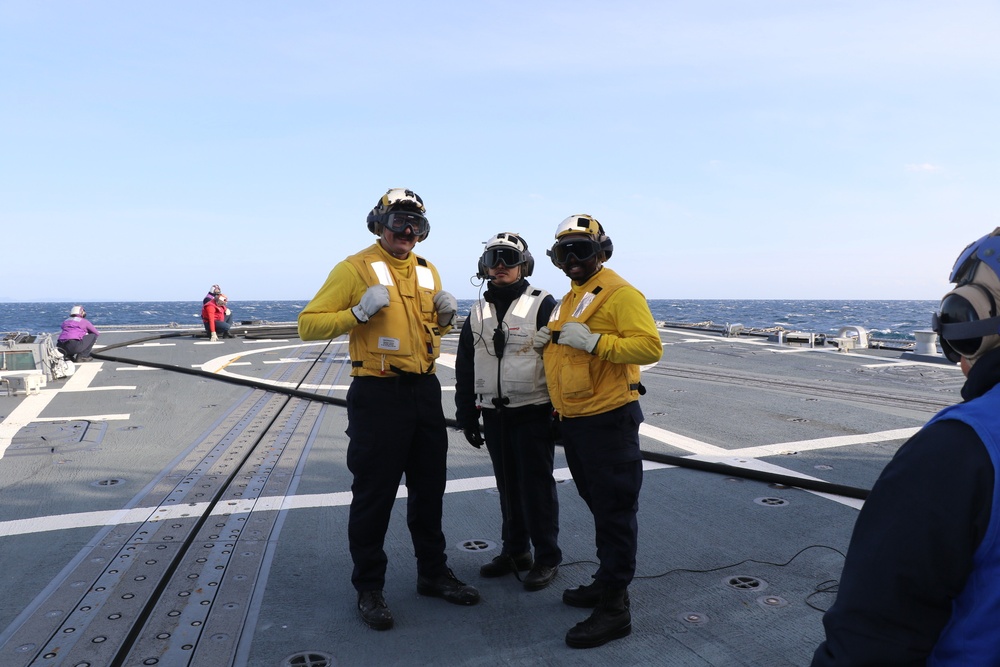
[(607, 247), (373, 223), (529, 263)]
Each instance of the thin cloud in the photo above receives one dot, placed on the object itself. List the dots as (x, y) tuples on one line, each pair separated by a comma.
[(925, 167)]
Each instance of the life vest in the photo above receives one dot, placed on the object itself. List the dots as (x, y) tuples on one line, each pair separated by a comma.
[(581, 383), (522, 373), (404, 337), (970, 636)]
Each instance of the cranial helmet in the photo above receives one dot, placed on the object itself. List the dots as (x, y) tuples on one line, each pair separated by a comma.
[(510, 250), (967, 320), (77, 311), (398, 209), (599, 242)]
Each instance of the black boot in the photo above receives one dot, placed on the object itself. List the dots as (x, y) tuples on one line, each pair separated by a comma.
[(505, 564), (449, 587), (610, 620), (588, 596), (374, 611)]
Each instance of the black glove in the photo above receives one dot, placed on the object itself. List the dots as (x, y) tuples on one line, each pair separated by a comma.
[(472, 434)]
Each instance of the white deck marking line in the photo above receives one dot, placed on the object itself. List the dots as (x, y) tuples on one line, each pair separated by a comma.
[(235, 363), (824, 443), (120, 387), (681, 441), (745, 457), (314, 500), (90, 418), (137, 368), (910, 362), (32, 405), (152, 345)]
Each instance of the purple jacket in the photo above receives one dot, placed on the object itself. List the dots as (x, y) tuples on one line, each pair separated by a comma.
[(75, 328)]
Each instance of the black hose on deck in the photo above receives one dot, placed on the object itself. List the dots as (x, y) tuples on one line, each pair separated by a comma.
[(679, 461), (759, 475)]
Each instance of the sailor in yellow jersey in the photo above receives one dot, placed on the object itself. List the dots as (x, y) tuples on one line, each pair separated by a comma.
[(597, 337), (390, 302)]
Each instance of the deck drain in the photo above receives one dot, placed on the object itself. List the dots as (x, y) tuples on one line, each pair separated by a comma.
[(130, 428), (745, 583), (107, 482), (476, 546), (771, 601), (771, 502), (309, 659), (800, 420), (693, 618)]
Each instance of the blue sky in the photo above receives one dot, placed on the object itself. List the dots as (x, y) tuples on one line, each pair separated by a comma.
[(732, 149)]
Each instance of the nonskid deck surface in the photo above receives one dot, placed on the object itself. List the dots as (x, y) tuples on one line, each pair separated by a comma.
[(153, 516)]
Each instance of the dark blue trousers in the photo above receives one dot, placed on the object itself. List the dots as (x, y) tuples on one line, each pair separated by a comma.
[(81, 347), (522, 451), (396, 426), (603, 454)]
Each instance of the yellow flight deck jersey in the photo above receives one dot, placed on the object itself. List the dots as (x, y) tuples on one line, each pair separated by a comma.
[(583, 384), (403, 337)]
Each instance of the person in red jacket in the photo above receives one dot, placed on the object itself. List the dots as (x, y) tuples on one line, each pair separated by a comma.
[(213, 314)]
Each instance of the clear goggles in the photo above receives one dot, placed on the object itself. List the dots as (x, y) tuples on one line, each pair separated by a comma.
[(505, 255), (580, 249), (397, 222)]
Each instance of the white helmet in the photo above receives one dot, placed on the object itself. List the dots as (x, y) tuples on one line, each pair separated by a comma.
[(398, 209), (77, 311), (507, 248), (580, 224)]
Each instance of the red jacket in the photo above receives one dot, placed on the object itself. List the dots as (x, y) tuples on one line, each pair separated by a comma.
[(211, 313)]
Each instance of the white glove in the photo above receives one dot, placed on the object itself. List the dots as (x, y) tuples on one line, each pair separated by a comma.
[(215, 337), (373, 300), (542, 338), (577, 334), (228, 312), (447, 306)]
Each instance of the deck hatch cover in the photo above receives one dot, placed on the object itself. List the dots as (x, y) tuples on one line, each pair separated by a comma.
[(743, 582), (309, 659)]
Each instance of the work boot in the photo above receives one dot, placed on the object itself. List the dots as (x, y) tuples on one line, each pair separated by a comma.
[(588, 596), (447, 586), (540, 577), (610, 620), (505, 564), (374, 611)]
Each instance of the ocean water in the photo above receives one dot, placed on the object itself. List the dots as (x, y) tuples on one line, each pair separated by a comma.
[(891, 320)]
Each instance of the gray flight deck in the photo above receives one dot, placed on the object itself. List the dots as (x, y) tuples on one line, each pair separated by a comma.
[(159, 507)]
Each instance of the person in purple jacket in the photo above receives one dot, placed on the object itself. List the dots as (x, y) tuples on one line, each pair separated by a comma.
[(78, 336)]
